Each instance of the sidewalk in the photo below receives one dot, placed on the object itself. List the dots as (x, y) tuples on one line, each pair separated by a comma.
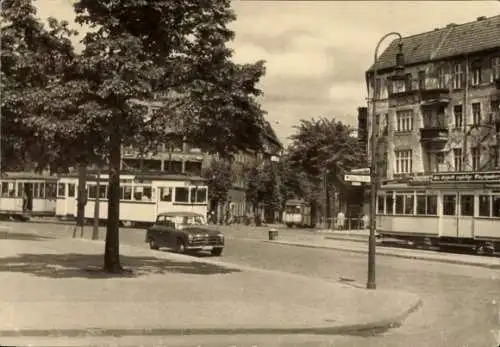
[(53, 287), (355, 246)]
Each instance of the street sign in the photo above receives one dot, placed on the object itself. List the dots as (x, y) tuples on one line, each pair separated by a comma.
[(357, 178)]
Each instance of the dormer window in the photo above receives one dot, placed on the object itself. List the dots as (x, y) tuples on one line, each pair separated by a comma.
[(476, 73), (495, 68), (458, 75)]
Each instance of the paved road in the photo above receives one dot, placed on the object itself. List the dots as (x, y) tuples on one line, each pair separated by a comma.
[(458, 300)]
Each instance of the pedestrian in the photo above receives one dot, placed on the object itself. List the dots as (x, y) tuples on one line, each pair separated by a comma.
[(340, 220), (366, 221)]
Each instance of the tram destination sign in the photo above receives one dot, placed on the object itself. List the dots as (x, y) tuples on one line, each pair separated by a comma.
[(467, 177)]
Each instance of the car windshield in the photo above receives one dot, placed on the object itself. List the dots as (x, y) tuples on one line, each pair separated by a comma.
[(190, 220)]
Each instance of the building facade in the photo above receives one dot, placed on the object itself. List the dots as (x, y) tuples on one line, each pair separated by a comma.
[(442, 114)]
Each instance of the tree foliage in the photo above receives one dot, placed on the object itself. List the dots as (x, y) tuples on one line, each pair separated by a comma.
[(33, 61), (320, 148), (219, 176)]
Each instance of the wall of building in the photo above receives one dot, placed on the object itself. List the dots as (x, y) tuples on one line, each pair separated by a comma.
[(423, 157)]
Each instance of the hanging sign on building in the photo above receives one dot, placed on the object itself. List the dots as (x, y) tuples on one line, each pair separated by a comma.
[(357, 178), (491, 176)]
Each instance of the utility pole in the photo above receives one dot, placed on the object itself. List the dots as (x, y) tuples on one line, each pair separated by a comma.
[(374, 174)]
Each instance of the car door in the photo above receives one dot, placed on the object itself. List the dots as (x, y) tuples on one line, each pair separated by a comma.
[(169, 233), (155, 230)]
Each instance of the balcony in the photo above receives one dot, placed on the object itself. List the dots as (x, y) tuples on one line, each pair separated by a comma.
[(437, 136), (434, 97)]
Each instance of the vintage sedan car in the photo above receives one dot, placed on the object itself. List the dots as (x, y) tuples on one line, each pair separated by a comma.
[(183, 232)]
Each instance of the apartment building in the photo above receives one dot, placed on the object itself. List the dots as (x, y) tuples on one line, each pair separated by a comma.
[(442, 114)]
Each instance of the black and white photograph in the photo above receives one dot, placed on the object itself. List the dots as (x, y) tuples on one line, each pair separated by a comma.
[(250, 173)]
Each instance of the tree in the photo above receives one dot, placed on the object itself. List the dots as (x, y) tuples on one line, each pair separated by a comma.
[(175, 51), (33, 61), (219, 176), (323, 150)]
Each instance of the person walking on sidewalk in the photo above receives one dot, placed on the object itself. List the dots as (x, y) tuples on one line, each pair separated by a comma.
[(340, 220)]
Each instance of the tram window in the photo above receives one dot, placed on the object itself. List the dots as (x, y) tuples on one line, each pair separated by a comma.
[(71, 190), (61, 189), (126, 193), (166, 194), (409, 198), (19, 193), (400, 204), (449, 205), (181, 194), (201, 195), (92, 191), (421, 199), (484, 205), (380, 204), (138, 193), (102, 191), (432, 205), (147, 193), (495, 204), (467, 205), (50, 190), (389, 203), (5, 189)]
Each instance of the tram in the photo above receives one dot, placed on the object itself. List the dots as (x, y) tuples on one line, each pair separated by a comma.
[(25, 194), (445, 210), (297, 214), (142, 197)]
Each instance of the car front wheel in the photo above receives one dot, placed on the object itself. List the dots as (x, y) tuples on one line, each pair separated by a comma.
[(152, 244), (180, 246), (216, 251)]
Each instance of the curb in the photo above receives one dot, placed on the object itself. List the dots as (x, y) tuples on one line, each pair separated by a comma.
[(387, 254), (347, 329)]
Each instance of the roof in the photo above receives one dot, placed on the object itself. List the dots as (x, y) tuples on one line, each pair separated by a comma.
[(145, 175), (180, 214), (26, 175), (453, 40)]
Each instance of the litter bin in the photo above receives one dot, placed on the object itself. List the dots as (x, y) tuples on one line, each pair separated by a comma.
[(273, 234)]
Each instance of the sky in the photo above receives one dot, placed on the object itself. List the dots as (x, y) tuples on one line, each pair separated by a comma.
[(317, 52)]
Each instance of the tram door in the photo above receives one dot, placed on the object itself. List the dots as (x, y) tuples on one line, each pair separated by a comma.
[(449, 219), (458, 213), (466, 215), (28, 197)]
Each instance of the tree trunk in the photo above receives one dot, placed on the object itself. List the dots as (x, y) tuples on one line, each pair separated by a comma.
[(112, 246), (95, 231), (81, 200)]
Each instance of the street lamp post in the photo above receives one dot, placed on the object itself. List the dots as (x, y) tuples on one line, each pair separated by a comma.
[(374, 177)]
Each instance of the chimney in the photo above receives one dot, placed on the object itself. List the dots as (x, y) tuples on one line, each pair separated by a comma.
[(481, 18)]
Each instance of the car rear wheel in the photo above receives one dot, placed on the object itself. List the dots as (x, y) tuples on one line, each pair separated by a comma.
[(180, 246), (216, 251), (152, 244)]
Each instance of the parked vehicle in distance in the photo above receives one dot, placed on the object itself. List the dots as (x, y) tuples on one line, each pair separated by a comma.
[(297, 214), (183, 232)]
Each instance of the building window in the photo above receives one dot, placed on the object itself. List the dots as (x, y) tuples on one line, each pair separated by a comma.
[(404, 161), (493, 156), (404, 120), (476, 74), (441, 78), (458, 76), (476, 158), (476, 113), (495, 68), (457, 112), (457, 158), (421, 80)]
